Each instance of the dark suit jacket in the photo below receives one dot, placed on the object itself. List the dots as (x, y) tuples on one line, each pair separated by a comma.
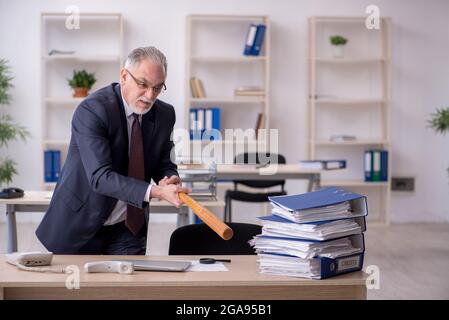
[(94, 175)]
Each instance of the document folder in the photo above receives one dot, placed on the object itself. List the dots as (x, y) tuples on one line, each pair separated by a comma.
[(307, 249), (274, 225), (331, 203), (317, 267)]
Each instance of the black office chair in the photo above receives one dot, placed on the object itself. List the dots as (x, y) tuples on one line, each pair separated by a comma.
[(258, 159), (199, 239)]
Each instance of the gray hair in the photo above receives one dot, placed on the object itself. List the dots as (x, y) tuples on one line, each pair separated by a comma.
[(151, 53)]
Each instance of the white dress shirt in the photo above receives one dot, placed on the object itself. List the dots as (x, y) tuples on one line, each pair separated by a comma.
[(119, 212)]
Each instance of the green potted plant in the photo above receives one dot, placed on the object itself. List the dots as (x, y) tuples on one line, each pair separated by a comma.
[(81, 82), (440, 122), (9, 130), (338, 43)]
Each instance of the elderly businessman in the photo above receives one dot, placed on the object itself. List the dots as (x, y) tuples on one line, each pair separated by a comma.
[(121, 139)]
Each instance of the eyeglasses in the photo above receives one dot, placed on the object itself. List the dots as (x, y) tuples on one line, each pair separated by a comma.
[(144, 86)]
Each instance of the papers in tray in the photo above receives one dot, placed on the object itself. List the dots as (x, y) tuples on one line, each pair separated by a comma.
[(307, 249), (275, 226), (332, 212), (317, 268), (289, 266)]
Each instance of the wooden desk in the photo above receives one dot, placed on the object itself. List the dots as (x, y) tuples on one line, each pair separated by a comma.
[(38, 201), (275, 172), (242, 281)]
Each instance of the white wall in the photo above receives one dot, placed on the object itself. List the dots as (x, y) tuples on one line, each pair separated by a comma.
[(420, 50)]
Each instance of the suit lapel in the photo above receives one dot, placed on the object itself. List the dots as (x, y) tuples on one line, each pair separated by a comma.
[(124, 140), (121, 107), (148, 131)]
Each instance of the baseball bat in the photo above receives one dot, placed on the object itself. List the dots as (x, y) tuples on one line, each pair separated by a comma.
[(208, 217)]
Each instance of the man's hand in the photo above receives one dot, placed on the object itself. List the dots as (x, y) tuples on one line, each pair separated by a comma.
[(172, 180), (168, 189)]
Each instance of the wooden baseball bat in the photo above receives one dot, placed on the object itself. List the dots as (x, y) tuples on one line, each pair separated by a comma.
[(208, 217)]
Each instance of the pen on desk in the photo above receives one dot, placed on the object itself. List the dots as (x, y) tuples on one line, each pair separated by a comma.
[(212, 260)]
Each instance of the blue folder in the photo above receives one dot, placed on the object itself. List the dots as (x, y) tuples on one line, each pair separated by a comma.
[(341, 265), (275, 218), (258, 41), (52, 165), (320, 198), (250, 39), (383, 165), (330, 267), (368, 165), (48, 159), (56, 165)]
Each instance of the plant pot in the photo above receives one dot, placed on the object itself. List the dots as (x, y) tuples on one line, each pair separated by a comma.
[(80, 92), (338, 51)]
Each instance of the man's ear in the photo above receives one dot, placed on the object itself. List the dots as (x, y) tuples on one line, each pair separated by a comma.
[(123, 75)]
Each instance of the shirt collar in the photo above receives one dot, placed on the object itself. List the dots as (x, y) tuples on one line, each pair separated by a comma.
[(128, 111)]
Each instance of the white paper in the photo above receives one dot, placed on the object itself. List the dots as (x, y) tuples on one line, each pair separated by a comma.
[(197, 266)]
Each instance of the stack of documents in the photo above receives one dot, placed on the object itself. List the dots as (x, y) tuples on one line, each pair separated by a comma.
[(318, 268), (305, 249), (275, 226), (313, 235)]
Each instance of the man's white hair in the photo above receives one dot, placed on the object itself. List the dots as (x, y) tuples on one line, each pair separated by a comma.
[(152, 53)]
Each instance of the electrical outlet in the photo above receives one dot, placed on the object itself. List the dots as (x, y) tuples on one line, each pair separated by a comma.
[(403, 183)]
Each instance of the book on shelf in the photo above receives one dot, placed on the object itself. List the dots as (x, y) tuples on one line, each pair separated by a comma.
[(328, 245), (249, 91), (322, 164), (376, 165), (197, 88), (254, 40), (342, 138)]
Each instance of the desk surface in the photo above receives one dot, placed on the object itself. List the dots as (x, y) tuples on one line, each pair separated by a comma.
[(242, 281), (248, 168), (272, 172), (44, 197)]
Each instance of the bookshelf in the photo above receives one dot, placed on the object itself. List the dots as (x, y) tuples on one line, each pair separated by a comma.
[(214, 54), (350, 95), (97, 46)]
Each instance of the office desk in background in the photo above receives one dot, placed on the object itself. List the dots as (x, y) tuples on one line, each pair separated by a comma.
[(38, 201), (275, 172), (242, 281)]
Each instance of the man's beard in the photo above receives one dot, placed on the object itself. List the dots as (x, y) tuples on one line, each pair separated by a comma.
[(149, 105)]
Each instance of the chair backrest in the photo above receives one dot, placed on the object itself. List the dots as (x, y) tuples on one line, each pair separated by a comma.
[(260, 159), (199, 239)]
